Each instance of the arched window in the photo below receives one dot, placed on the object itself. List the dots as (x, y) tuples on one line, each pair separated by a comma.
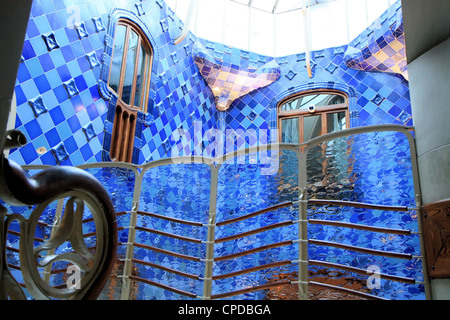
[(129, 78), (304, 116)]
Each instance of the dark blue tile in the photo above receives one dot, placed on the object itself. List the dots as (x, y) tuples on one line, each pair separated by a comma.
[(60, 93), (52, 136), (23, 74), (67, 53), (57, 115), (32, 30), (48, 159), (71, 145), (28, 51), (80, 83), (33, 129), (95, 93), (84, 64), (64, 73), (86, 152), (28, 153), (46, 62), (20, 96), (74, 123), (71, 34)]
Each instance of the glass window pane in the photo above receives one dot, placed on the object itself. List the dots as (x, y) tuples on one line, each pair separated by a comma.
[(312, 127), (130, 65), (116, 66), (336, 121), (318, 100), (140, 81), (289, 130)]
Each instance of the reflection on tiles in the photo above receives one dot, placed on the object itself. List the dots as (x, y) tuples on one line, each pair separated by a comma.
[(229, 81), (66, 111), (381, 47)]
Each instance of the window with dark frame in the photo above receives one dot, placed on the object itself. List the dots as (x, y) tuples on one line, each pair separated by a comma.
[(307, 115), (129, 78)]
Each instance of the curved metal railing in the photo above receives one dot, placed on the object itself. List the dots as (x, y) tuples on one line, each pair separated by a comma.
[(208, 255)]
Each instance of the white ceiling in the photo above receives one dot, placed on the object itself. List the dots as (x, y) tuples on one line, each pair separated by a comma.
[(276, 27)]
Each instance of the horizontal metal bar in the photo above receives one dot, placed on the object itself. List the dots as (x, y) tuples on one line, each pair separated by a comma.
[(252, 269), (363, 250), (251, 232), (170, 235), (170, 253), (360, 227), (357, 205), (154, 215), (163, 286), (251, 289), (256, 213), (254, 250), (349, 291), (157, 266), (360, 271)]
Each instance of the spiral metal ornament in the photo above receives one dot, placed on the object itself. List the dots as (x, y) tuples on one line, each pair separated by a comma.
[(76, 257)]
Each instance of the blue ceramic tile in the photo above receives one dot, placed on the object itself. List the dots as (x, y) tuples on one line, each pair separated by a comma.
[(50, 41), (37, 105), (71, 88), (60, 152)]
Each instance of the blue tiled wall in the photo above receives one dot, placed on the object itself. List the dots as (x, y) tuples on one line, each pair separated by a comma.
[(66, 110)]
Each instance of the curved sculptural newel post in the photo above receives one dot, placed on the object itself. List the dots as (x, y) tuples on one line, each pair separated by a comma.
[(80, 200)]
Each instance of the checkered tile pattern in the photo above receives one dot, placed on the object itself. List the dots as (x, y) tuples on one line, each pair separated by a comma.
[(381, 47), (229, 81), (66, 110)]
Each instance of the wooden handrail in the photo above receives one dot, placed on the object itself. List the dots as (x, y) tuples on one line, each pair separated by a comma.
[(349, 291), (252, 269), (254, 250), (163, 286), (360, 271), (256, 213), (363, 250), (360, 227), (170, 235), (254, 231), (170, 253), (155, 215), (157, 266), (251, 289), (357, 205)]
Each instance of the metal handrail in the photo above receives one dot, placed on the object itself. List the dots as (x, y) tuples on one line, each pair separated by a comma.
[(301, 151)]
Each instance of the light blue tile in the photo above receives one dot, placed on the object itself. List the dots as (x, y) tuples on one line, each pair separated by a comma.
[(42, 24), (57, 58), (34, 67), (38, 45), (64, 130), (61, 36), (30, 90)]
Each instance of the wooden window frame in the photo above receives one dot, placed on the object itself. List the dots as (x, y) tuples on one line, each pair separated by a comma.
[(142, 41), (125, 118), (323, 111)]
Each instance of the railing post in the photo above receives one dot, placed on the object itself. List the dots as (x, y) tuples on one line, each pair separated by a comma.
[(209, 259), (302, 227), (127, 268)]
